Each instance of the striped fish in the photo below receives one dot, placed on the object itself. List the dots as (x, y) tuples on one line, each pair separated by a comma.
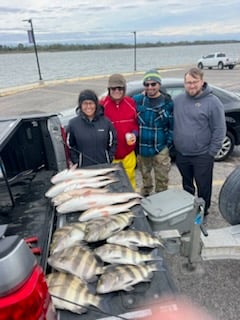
[(84, 203), (102, 228), (104, 211), (134, 239), (113, 253), (66, 185), (67, 195), (67, 236), (74, 173), (91, 184), (70, 293), (77, 261), (124, 277)]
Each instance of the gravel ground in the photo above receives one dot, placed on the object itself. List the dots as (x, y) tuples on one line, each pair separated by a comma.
[(214, 285)]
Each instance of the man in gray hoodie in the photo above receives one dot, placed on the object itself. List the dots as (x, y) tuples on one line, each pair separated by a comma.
[(199, 130)]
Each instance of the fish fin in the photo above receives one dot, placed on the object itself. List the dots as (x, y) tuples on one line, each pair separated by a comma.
[(128, 288), (74, 167), (132, 247), (155, 254), (156, 265)]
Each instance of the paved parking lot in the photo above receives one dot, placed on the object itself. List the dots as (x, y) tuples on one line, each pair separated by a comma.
[(215, 285)]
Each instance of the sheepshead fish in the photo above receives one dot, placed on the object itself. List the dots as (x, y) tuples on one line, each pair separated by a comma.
[(84, 203), (61, 186), (74, 173), (77, 261), (134, 239), (102, 228), (104, 211), (113, 253), (67, 236), (124, 277), (70, 293), (67, 195)]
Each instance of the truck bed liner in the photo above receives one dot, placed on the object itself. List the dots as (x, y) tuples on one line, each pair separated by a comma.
[(32, 214), (122, 302)]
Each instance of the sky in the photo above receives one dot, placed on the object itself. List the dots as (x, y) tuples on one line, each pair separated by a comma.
[(104, 21)]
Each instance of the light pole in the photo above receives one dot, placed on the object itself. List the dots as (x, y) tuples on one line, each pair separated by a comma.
[(32, 40), (135, 50)]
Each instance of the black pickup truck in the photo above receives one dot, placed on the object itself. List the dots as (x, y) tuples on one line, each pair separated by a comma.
[(32, 150)]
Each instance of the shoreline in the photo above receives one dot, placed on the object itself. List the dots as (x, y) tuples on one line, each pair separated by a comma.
[(43, 83)]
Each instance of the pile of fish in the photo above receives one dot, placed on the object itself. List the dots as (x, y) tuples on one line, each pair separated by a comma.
[(102, 252)]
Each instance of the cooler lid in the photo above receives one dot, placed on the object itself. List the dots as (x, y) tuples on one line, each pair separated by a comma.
[(167, 202)]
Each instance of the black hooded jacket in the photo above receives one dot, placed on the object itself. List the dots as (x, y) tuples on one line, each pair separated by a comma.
[(91, 142)]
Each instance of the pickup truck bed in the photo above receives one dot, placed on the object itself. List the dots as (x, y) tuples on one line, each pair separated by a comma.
[(29, 213), (144, 293), (32, 215)]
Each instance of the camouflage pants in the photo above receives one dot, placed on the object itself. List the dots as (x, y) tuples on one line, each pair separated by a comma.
[(160, 164)]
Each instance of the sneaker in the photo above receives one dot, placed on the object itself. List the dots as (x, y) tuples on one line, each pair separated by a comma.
[(145, 193)]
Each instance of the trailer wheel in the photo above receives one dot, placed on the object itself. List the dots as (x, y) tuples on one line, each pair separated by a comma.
[(229, 200)]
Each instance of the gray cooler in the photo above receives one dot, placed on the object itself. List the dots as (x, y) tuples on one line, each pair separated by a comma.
[(170, 209)]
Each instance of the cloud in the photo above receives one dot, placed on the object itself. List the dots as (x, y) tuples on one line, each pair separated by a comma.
[(108, 20)]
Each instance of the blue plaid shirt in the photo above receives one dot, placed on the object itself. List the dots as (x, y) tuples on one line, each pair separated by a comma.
[(155, 118)]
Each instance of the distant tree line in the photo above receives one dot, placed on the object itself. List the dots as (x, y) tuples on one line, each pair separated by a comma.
[(21, 48)]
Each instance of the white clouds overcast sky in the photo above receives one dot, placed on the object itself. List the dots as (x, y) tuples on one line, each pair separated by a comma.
[(113, 21)]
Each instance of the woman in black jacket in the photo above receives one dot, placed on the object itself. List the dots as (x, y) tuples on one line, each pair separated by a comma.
[(91, 136)]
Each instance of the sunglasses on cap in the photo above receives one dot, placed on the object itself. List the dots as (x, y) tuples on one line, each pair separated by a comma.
[(117, 88), (148, 84)]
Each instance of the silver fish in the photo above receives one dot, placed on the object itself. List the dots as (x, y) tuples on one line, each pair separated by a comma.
[(104, 211), (67, 195), (124, 277), (134, 239), (84, 203), (77, 261), (61, 186), (91, 184), (113, 253), (74, 173), (67, 236), (102, 228), (70, 293)]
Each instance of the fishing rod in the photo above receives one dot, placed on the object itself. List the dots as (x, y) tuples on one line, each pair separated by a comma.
[(82, 153)]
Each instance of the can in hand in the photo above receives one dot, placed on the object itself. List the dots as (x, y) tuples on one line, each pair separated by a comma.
[(130, 138)]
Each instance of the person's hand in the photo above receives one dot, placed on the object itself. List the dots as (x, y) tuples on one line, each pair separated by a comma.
[(130, 138)]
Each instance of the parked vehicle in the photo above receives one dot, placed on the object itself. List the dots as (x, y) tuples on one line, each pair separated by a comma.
[(174, 86), (217, 60), (228, 203), (32, 150)]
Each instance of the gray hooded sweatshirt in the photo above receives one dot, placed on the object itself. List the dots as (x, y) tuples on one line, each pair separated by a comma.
[(199, 123)]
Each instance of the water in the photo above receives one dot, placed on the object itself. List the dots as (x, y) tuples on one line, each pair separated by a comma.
[(20, 69)]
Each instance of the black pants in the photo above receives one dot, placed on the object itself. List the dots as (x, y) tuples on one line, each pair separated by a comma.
[(199, 169)]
